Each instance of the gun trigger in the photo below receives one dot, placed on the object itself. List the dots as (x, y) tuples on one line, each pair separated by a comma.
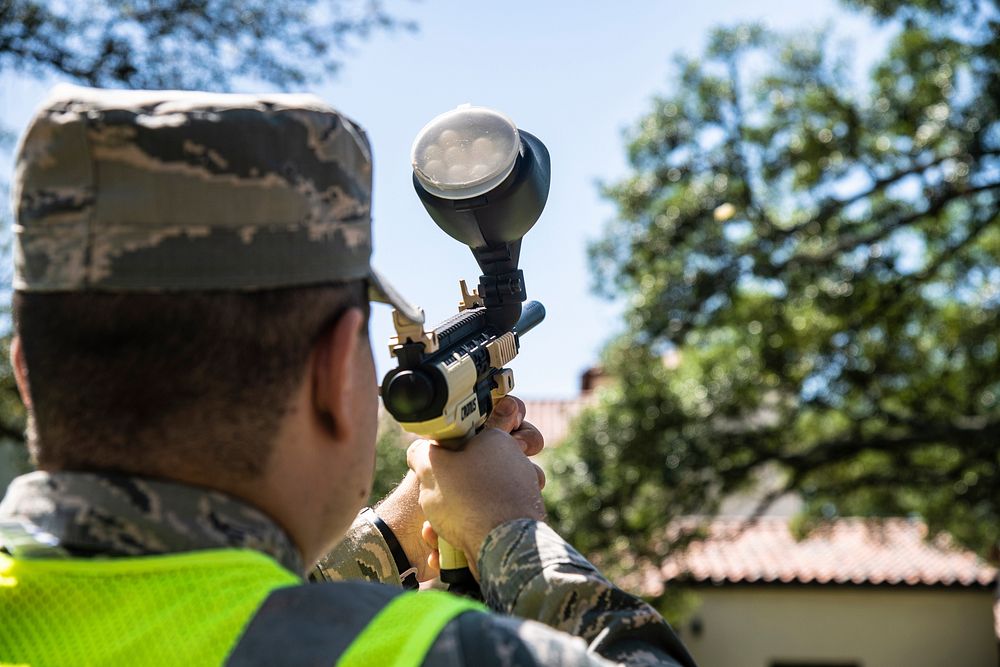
[(503, 383)]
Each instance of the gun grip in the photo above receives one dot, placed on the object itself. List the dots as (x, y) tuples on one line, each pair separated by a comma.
[(456, 573), (451, 559)]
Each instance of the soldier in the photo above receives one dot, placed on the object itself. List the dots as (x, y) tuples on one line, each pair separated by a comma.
[(191, 300)]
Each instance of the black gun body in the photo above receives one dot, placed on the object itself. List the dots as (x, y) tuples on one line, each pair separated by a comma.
[(449, 393)]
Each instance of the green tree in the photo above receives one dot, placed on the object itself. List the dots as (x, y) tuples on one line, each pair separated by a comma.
[(202, 44), (811, 273), (13, 456), (390, 457)]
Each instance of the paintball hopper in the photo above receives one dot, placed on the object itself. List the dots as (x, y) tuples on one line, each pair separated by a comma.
[(485, 183)]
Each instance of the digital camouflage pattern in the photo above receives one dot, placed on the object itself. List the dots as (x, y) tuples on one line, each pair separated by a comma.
[(572, 596), (180, 190), (362, 555), (534, 573), (86, 514), (528, 572), (172, 190)]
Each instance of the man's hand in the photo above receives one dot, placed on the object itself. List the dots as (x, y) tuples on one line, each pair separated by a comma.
[(466, 494), (401, 512)]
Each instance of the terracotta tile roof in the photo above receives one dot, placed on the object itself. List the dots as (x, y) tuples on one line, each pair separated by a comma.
[(553, 417), (845, 551)]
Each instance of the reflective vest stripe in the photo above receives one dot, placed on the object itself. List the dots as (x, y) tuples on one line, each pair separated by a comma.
[(188, 608), (403, 632)]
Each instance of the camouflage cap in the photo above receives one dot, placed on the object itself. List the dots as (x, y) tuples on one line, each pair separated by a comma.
[(170, 190)]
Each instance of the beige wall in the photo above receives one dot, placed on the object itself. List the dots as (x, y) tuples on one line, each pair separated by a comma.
[(754, 626)]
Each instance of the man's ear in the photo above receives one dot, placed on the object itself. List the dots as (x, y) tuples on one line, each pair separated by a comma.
[(20, 370), (334, 380)]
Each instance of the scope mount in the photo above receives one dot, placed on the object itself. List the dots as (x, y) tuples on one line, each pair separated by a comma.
[(500, 294)]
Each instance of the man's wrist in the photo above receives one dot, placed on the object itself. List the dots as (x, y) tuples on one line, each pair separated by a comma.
[(361, 555), (407, 571), (401, 512)]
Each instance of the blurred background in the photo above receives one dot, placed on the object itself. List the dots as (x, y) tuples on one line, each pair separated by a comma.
[(770, 374)]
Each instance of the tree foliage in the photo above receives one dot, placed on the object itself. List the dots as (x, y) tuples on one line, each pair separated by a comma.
[(390, 457), (811, 270), (184, 44)]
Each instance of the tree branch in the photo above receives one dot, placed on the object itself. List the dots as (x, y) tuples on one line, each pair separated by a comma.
[(738, 146), (848, 242), (836, 451), (956, 248), (831, 206)]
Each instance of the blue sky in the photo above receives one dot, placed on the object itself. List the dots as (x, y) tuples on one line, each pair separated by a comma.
[(575, 75)]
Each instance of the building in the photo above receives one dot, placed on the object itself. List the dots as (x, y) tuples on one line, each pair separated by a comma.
[(854, 593)]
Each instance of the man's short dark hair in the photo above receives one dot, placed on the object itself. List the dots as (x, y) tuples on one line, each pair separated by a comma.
[(153, 383)]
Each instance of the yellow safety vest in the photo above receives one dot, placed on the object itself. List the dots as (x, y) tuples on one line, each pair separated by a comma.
[(179, 609)]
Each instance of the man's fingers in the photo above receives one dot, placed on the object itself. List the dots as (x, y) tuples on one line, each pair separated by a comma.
[(417, 456), (467, 493), (429, 535), (507, 415), (541, 475), (530, 438)]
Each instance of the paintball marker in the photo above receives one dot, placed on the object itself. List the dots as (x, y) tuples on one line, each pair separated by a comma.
[(484, 182)]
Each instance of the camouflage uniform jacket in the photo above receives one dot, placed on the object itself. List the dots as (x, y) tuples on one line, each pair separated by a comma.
[(528, 572)]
